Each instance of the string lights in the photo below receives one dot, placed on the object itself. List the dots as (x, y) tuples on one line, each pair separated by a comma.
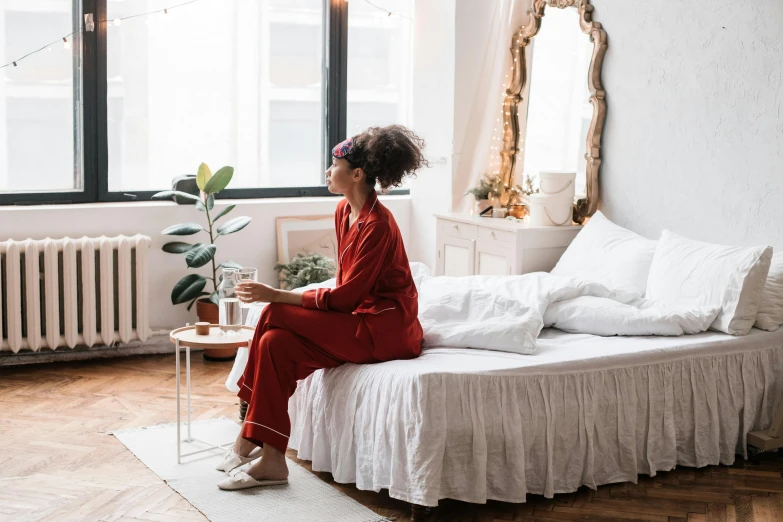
[(497, 143), (388, 13), (499, 129), (89, 27)]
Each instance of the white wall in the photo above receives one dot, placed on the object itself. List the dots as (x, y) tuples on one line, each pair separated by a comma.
[(694, 134), (433, 120), (256, 245)]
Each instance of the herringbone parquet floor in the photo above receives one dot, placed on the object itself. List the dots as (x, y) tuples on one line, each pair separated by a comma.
[(58, 463)]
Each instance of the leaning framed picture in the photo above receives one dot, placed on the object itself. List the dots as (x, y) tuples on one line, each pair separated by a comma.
[(306, 234)]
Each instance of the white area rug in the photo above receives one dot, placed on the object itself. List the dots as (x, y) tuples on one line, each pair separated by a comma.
[(304, 499)]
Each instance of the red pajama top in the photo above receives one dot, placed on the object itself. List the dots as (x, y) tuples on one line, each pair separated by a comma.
[(374, 281)]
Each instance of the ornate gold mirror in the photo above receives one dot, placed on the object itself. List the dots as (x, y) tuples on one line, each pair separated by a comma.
[(554, 108)]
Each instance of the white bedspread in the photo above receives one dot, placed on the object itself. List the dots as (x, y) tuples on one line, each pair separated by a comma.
[(583, 410), (507, 312)]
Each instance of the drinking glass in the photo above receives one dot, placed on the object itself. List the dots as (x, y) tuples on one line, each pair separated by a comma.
[(246, 274), (229, 312), (241, 275), (230, 315)]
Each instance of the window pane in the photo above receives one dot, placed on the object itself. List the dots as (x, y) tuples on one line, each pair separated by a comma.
[(233, 82), (380, 64), (40, 107)]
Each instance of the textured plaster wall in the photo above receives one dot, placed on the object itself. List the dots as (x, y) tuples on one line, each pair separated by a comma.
[(694, 136)]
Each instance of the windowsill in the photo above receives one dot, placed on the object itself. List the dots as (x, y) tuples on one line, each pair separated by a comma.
[(159, 204)]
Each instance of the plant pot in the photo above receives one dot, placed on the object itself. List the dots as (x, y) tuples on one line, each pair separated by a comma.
[(207, 312)]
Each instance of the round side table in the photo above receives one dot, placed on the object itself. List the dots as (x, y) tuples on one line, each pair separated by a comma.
[(186, 337)]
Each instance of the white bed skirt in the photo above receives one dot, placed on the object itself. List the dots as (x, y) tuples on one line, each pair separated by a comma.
[(427, 436)]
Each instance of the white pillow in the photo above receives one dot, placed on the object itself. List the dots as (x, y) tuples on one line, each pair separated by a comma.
[(770, 315), (608, 254), (688, 272)]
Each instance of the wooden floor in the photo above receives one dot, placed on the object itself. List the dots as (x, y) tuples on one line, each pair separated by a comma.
[(57, 461)]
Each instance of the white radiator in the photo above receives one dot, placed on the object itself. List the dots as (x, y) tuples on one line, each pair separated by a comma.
[(69, 292)]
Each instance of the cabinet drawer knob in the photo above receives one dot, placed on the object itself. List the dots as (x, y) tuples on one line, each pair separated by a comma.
[(456, 227), (493, 234)]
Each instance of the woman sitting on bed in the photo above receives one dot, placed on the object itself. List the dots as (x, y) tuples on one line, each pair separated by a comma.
[(371, 315)]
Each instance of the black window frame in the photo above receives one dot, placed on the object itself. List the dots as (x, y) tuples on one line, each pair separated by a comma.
[(94, 128)]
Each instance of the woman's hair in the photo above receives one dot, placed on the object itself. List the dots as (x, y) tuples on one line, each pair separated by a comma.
[(387, 155)]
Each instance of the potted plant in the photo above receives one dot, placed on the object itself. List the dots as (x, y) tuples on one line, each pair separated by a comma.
[(488, 184), (528, 186), (305, 269), (518, 197), (191, 288)]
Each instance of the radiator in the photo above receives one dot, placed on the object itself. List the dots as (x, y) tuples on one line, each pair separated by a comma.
[(73, 292)]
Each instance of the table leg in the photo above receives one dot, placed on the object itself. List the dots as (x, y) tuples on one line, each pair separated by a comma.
[(179, 451), (187, 357)]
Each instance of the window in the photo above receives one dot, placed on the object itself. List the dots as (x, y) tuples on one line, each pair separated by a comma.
[(40, 110), (380, 49), (266, 86)]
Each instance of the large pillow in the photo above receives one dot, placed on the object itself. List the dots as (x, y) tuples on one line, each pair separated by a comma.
[(770, 315), (688, 272), (608, 254)]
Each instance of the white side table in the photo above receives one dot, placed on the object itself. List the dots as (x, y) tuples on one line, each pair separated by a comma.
[(472, 245), (186, 336)]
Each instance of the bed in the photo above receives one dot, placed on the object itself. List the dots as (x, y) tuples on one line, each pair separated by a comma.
[(475, 425), (499, 405)]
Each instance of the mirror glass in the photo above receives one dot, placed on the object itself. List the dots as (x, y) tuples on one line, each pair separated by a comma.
[(558, 110)]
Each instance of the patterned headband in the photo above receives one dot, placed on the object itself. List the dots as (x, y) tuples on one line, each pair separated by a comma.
[(341, 150)]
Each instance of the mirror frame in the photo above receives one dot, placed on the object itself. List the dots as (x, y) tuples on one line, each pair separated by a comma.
[(588, 205)]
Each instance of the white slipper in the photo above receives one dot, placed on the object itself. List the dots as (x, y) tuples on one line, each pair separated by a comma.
[(242, 480), (232, 460)]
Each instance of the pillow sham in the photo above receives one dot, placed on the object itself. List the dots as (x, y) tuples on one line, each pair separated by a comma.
[(689, 272), (770, 316), (608, 254)]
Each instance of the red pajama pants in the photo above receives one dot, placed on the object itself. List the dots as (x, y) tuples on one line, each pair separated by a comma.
[(290, 343)]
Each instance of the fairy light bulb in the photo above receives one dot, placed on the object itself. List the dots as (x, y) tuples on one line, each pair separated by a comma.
[(66, 43), (117, 22)]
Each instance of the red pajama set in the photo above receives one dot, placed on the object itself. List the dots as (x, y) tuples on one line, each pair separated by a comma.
[(369, 317)]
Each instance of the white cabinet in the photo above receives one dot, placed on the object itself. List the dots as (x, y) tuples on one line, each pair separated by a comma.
[(459, 256), (469, 245)]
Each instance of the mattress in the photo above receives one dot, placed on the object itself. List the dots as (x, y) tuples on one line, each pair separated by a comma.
[(475, 425)]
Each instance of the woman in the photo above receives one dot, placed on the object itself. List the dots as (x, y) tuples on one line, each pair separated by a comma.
[(369, 317)]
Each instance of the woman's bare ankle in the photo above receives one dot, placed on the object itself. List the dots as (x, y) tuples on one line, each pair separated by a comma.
[(271, 466), (243, 447)]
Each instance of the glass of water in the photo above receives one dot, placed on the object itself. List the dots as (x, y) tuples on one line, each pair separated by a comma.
[(246, 274), (240, 276), (230, 315)]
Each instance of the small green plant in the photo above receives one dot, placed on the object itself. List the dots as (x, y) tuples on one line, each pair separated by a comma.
[(191, 287), (305, 269), (527, 185), (488, 183)]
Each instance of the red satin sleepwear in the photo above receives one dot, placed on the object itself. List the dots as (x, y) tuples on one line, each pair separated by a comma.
[(370, 316)]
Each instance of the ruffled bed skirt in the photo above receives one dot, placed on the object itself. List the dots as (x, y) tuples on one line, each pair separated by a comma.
[(428, 436)]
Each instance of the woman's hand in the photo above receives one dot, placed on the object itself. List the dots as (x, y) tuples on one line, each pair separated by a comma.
[(255, 292)]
